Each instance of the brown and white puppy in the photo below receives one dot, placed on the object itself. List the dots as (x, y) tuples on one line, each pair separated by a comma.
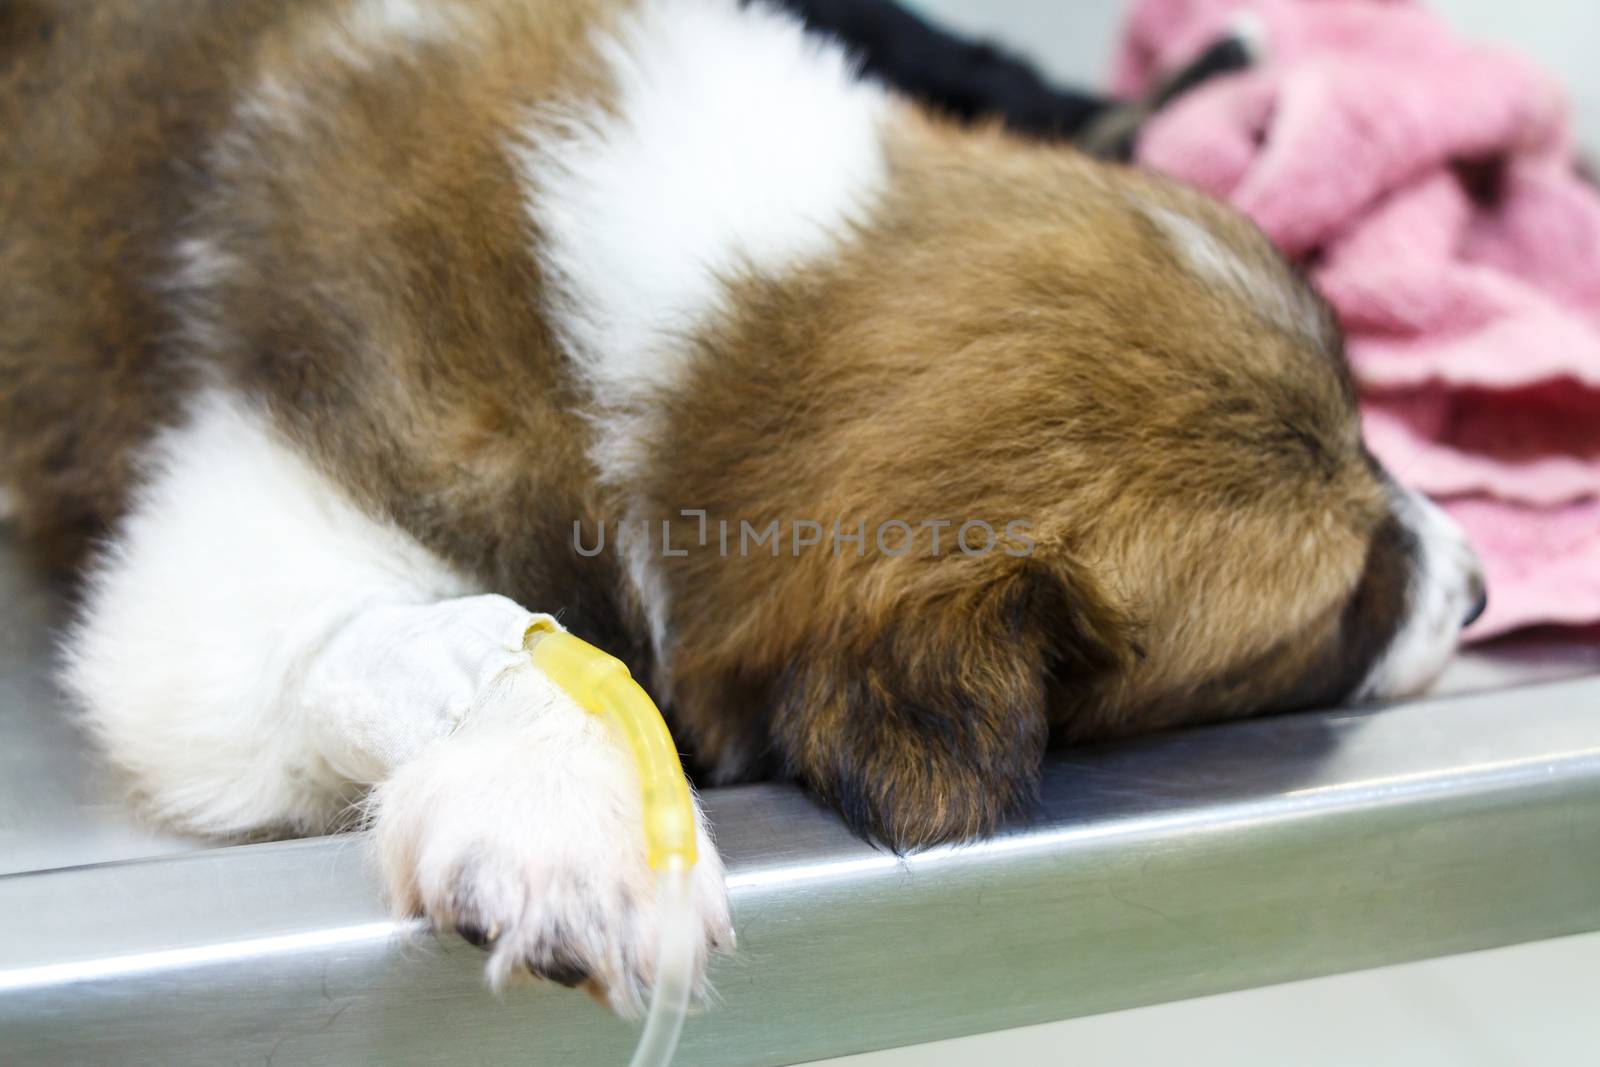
[(341, 315)]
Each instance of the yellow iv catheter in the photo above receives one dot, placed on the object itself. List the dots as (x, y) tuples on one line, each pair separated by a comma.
[(601, 685)]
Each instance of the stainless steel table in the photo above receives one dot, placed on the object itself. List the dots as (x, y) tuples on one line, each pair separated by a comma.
[(1181, 865)]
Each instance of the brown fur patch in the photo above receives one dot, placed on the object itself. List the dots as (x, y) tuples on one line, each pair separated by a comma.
[(105, 108), (1012, 338)]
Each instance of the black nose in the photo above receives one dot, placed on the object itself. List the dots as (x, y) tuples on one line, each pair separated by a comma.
[(1479, 606)]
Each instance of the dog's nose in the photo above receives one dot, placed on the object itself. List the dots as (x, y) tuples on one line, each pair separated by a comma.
[(1479, 606)]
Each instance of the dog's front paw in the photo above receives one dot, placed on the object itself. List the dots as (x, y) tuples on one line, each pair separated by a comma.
[(523, 833)]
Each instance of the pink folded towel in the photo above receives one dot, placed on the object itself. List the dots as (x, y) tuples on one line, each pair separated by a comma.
[(1429, 185)]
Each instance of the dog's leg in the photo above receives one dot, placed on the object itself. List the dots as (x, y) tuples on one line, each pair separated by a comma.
[(255, 651), (974, 80), (967, 79)]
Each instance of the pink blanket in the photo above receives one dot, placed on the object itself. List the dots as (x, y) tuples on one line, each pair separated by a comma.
[(1429, 185)]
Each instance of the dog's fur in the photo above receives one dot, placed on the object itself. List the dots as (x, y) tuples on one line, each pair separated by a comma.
[(333, 318)]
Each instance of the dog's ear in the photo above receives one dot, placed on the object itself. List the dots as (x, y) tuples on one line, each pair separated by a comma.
[(928, 723)]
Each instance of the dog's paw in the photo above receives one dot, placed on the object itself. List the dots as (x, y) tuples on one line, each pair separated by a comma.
[(522, 832)]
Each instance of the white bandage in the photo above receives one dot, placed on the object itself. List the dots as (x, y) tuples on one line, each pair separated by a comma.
[(396, 678)]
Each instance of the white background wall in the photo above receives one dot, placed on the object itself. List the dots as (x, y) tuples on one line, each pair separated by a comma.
[(1073, 38), (1528, 1006)]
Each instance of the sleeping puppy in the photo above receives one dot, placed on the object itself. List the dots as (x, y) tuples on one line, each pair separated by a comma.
[(357, 332)]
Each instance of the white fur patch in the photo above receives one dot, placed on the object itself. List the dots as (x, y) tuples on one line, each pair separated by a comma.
[(1212, 259), (1447, 581), (381, 21), (200, 267), (371, 32), (363, 35), (201, 263), (275, 104), (733, 142), (235, 565)]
